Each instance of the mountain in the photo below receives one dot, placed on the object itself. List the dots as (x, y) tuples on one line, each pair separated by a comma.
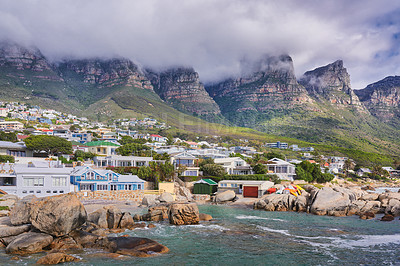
[(382, 99), (271, 90), (331, 82), (181, 88), (321, 107)]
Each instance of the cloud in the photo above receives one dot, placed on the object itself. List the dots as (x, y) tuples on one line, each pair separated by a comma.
[(213, 36)]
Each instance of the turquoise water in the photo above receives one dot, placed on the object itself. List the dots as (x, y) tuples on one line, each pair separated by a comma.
[(253, 237)]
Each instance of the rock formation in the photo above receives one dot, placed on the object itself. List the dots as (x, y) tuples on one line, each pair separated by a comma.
[(106, 73), (270, 85), (382, 98), (335, 201), (59, 224), (181, 87), (331, 82)]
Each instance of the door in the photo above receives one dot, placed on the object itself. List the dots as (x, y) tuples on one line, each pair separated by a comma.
[(250, 192)]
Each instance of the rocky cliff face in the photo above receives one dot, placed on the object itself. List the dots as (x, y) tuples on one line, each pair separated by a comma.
[(330, 82), (382, 98), (181, 87), (271, 86), (19, 57), (107, 73)]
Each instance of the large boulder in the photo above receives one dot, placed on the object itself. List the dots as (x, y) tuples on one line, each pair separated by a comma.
[(276, 202), (29, 243), (99, 218), (64, 243), (166, 197), (136, 246), (328, 201), (126, 221), (205, 217), (184, 213), (156, 214), (150, 200), (20, 213), (13, 230), (56, 258), (228, 195), (370, 196), (114, 216), (393, 207), (58, 215)]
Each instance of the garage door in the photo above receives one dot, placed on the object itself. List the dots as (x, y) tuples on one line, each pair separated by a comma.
[(250, 192)]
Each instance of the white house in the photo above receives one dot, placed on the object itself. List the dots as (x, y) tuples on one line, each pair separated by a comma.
[(38, 178), (118, 160), (234, 166), (187, 162), (284, 170)]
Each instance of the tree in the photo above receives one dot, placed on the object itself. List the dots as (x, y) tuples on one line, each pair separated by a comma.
[(271, 155), (165, 171), (206, 161), (81, 155), (212, 170), (311, 172), (260, 169), (165, 156), (133, 148), (7, 158), (125, 140), (8, 136), (52, 145)]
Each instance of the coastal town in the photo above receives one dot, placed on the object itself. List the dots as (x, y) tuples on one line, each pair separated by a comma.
[(54, 163), (115, 157)]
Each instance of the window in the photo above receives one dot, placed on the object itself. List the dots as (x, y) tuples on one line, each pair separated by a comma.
[(113, 187), (59, 181), (31, 191), (61, 191), (48, 191), (101, 187), (38, 191), (24, 191), (54, 191), (139, 186), (33, 181)]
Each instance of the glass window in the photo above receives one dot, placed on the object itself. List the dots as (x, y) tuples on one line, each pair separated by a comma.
[(59, 181), (33, 181)]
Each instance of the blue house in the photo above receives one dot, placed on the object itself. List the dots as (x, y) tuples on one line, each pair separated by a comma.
[(87, 178)]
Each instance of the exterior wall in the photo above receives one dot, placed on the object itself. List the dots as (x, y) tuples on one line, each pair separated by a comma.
[(123, 195), (167, 187)]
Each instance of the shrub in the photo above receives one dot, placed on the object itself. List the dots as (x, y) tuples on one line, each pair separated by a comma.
[(7, 158)]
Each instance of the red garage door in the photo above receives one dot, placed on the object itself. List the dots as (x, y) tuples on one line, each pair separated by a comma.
[(250, 192)]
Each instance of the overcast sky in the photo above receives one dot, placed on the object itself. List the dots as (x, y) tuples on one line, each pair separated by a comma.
[(213, 36)]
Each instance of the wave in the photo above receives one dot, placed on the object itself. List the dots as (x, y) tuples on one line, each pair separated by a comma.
[(362, 241), (283, 232), (258, 218)]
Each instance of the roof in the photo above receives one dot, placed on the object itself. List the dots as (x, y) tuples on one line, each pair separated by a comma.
[(244, 182), (227, 160), (12, 145), (129, 178), (101, 143), (207, 181)]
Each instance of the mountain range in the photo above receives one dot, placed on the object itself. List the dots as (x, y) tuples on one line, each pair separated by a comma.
[(318, 107)]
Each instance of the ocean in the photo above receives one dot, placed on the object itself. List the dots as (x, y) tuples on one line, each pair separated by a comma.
[(239, 236)]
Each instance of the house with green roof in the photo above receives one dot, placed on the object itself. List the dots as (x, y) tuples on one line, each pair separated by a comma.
[(205, 186), (102, 148)]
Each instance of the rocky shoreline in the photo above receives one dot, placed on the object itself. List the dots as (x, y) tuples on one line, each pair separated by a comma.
[(59, 224), (334, 201)]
